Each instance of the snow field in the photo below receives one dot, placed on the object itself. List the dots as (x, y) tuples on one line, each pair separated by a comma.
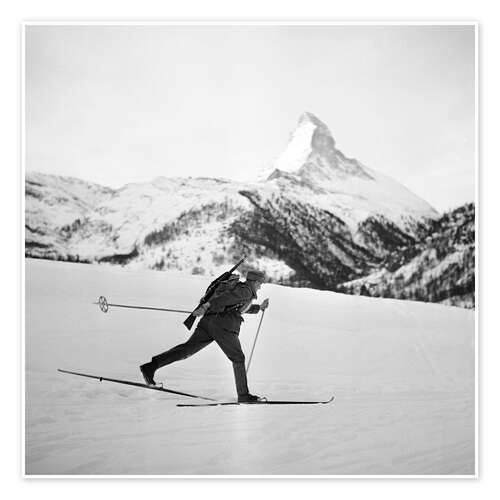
[(402, 374)]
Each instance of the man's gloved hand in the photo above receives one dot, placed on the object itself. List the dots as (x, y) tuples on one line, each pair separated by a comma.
[(264, 305), (201, 310)]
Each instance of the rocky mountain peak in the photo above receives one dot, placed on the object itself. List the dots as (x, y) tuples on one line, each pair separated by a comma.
[(311, 157), (321, 141), (308, 117)]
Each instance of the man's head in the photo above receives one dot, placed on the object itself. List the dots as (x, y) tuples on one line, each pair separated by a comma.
[(255, 278)]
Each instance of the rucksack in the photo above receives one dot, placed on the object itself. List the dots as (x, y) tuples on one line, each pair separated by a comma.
[(222, 287), (225, 285)]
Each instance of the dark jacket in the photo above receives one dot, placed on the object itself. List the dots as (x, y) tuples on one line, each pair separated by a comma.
[(226, 309)]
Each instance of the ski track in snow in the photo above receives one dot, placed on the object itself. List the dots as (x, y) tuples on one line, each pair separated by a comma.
[(402, 374)]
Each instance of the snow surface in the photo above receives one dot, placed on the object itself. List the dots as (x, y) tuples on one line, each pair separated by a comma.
[(402, 374)]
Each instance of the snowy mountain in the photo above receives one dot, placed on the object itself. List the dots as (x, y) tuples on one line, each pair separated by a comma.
[(439, 267), (54, 208), (315, 218), (312, 168)]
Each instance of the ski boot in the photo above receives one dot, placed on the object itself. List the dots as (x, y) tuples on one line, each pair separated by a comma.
[(148, 372), (250, 398)]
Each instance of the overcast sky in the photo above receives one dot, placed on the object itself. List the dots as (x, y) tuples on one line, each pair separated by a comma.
[(120, 104)]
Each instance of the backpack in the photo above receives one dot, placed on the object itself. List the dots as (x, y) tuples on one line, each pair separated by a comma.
[(225, 285)]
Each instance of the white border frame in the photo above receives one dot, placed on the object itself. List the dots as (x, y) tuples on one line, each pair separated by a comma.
[(22, 109)]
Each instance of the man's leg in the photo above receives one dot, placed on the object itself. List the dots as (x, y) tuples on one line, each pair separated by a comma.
[(229, 342), (240, 378), (195, 343)]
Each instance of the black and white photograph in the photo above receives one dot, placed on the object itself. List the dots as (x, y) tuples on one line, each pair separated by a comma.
[(250, 249)]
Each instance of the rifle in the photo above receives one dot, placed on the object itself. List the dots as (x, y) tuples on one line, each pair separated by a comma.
[(188, 322)]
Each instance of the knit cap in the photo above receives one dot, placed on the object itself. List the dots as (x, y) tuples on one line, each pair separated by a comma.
[(256, 276)]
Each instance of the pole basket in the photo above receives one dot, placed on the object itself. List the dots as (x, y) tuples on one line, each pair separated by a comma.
[(103, 304)]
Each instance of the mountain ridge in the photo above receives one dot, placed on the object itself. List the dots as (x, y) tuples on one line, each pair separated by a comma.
[(319, 220)]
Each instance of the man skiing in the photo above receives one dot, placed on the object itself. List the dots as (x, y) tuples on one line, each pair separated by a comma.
[(221, 322)]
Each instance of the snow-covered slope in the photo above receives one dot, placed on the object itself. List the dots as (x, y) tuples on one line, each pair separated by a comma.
[(402, 373), (54, 207), (439, 267)]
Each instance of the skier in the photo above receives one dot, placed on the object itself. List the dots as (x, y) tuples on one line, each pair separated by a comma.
[(221, 322)]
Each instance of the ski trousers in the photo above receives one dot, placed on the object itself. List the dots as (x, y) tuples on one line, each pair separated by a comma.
[(205, 333)]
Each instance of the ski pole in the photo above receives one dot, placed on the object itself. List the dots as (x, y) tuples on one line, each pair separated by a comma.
[(255, 340), (104, 305)]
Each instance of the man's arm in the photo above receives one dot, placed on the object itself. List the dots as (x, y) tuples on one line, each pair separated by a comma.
[(255, 308)]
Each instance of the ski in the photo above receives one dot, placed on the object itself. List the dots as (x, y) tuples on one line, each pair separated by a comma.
[(269, 402), (136, 384)]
